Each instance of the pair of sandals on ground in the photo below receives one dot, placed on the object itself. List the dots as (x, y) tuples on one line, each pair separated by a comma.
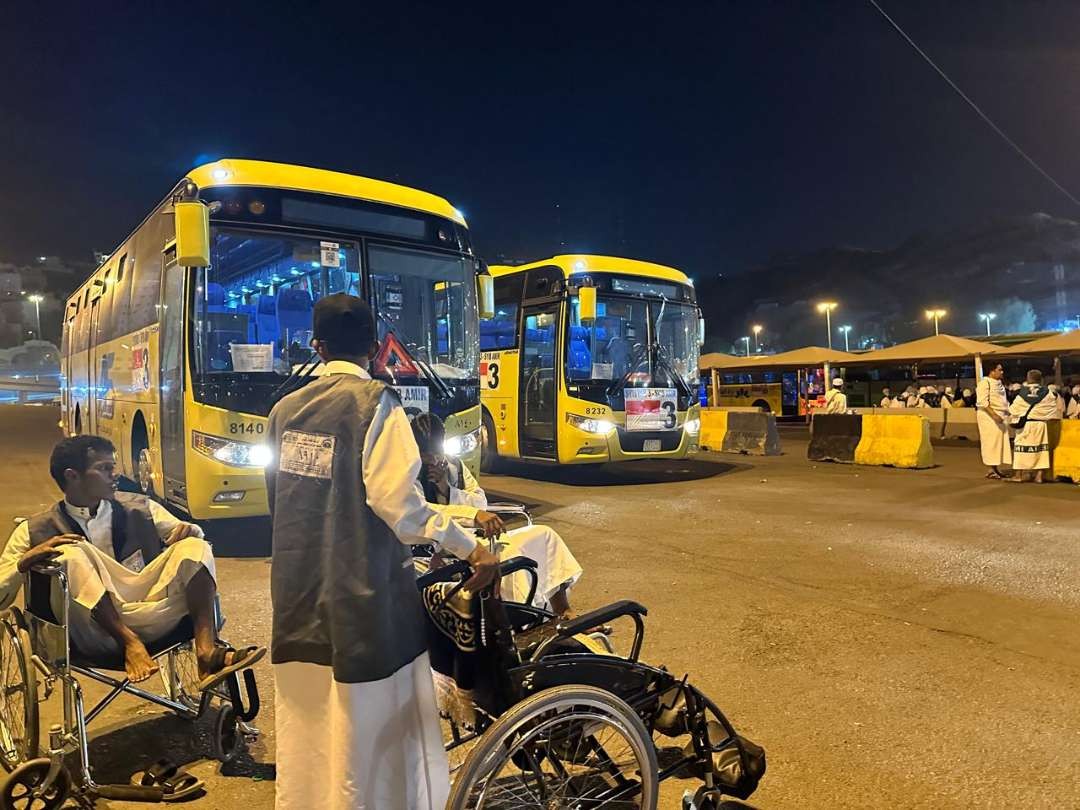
[(176, 784)]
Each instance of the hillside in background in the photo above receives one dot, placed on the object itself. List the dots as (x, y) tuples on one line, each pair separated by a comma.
[(1024, 269)]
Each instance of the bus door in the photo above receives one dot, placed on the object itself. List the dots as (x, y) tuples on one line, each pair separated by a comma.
[(171, 379), (539, 381)]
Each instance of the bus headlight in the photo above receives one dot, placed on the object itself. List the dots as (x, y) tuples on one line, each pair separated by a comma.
[(235, 454), (692, 426), (589, 425), (462, 445)]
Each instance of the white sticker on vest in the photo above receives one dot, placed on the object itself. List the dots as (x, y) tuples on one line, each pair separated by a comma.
[(307, 454), (135, 562)]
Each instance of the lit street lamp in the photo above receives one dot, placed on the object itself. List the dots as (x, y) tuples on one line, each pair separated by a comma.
[(987, 316), (36, 299), (846, 329), (827, 307), (935, 315), (747, 339), (756, 329)]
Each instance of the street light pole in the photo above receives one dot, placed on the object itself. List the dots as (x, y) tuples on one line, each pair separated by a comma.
[(846, 329), (756, 329), (827, 307), (36, 299), (987, 316), (936, 315), (747, 339)]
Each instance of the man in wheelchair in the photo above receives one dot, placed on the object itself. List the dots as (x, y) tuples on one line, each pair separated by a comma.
[(451, 488), (134, 571)]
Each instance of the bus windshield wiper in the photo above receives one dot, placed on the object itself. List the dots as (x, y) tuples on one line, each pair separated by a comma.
[(635, 361), (297, 379), (662, 362)]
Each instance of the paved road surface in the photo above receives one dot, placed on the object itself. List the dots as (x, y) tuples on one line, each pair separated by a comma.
[(893, 638)]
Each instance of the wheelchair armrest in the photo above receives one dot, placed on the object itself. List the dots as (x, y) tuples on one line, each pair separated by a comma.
[(587, 621), (515, 564), (510, 510)]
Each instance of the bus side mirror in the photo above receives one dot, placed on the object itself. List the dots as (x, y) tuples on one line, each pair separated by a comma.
[(586, 304), (192, 234), (701, 332), (485, 286)]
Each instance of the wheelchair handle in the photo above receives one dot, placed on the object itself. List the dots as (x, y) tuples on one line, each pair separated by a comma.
[(446, 573)]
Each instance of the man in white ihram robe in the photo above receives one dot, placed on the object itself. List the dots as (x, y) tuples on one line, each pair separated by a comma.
[(357, 722), (1035, 405), (992, 418)]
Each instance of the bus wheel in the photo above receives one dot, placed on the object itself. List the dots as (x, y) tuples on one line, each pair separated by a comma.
[(489, 454), (763, 405), (141, 462)]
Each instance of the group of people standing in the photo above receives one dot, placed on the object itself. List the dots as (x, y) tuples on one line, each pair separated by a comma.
[(927, 396), (1015, 432)]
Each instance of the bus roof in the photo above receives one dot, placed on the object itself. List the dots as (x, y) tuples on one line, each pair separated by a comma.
[(587, 263), (234, 172)]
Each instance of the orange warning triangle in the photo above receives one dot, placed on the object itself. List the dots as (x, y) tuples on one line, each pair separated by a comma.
[(393, 353)]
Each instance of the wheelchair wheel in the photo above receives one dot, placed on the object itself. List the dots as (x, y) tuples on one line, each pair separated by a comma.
[(180, 676), (565, 747), (228, 737), (18, 698), (19, 791)]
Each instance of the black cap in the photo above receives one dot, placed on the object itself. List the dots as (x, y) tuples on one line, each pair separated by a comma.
[(344, 322)]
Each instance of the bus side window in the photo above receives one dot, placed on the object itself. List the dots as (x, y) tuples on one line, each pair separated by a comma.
[(543, 282), (120, 291), (103, 319), (145, 277), (501, 331)]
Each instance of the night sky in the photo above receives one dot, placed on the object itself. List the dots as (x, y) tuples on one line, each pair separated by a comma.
[(707, 136)]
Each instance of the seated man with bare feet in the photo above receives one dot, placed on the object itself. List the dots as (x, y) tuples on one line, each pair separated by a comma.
[(134, 571)]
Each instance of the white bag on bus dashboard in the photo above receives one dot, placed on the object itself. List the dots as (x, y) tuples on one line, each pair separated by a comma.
[(252, 356)]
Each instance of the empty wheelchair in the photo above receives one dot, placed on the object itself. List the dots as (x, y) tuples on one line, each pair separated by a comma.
[(548, 717), (37, 658)]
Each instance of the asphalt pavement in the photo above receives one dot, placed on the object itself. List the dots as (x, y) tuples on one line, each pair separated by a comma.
[(893, 638)]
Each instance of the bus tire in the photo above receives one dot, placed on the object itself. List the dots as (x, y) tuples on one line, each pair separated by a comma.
[(141, 462), (490, 462), (763, 405)]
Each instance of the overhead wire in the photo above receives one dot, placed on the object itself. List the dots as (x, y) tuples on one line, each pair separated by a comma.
[(1015, 146)]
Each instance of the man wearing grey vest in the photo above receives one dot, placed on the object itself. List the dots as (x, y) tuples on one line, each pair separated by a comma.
[(357, 723), (134, 571)]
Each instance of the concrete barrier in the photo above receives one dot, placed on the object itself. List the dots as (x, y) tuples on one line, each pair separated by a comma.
[(881, 440), (834, 437), (1066, 453), (896, 441), (740, 431), (713, 428)]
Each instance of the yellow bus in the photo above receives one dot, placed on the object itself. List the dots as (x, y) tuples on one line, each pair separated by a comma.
[(767, 396), (589, 359), (177, 346)]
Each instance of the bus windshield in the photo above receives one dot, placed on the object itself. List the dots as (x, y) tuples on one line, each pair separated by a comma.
[(253, 306), (426, 306), (649, 341)]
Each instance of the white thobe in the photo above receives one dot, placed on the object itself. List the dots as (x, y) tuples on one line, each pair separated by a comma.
[(886, 402), (375, 745), (151, 601), (555, 565), (1031, 449), (993, 436), (1073, 409), (898, 403), (835, 401)]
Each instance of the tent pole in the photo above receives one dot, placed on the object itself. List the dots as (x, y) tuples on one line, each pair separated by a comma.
[(1057, 370), (978, 368), (715, 388)]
